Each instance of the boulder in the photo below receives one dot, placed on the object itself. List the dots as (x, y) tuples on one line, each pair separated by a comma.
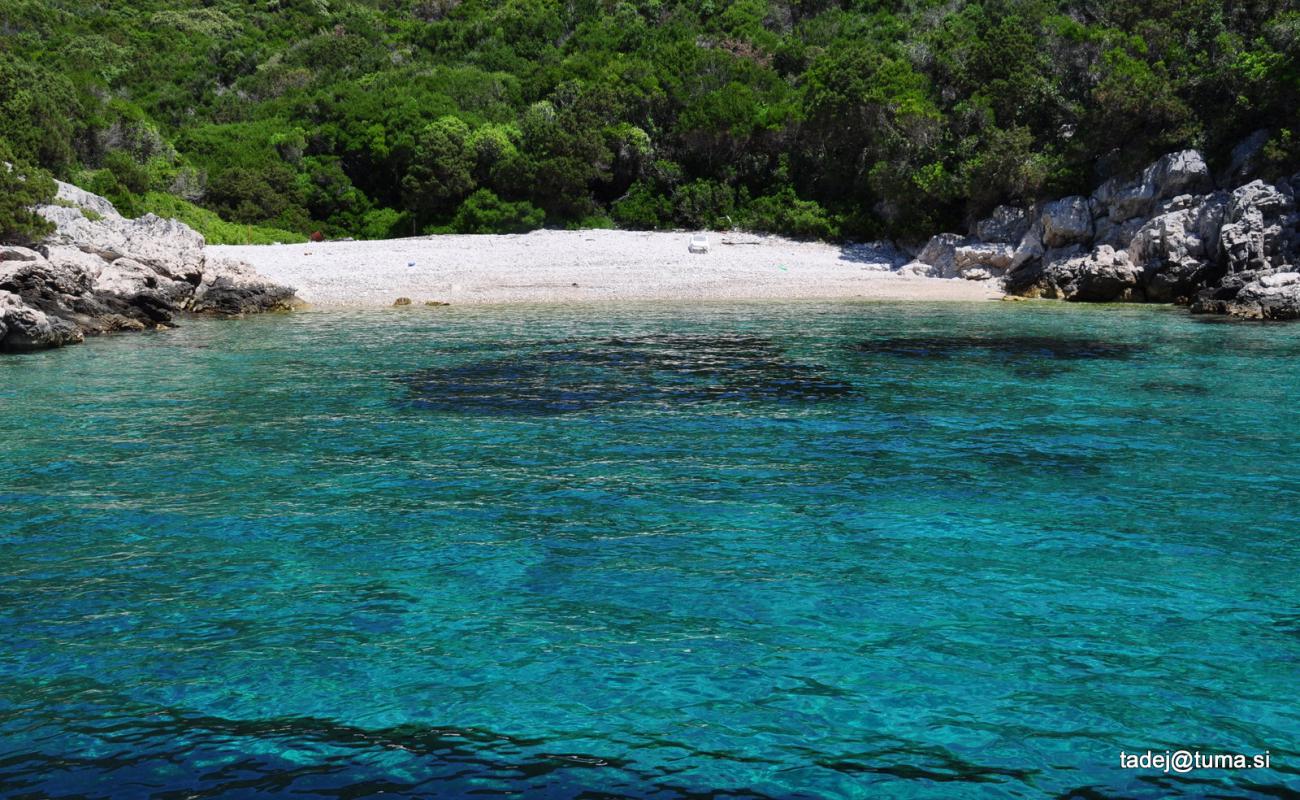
[(1006, 224), (102, 237), (1067, 221), (23, 328), (232, 288), (83, 199), (1102, 275), (940, 254), (1118, 235), (101, 272), (1030, 250), (1259, 230), (982, 261), (918, 269), (170, 247), (1178, 250), (10, 253), (1267, 295), (1178, 173)]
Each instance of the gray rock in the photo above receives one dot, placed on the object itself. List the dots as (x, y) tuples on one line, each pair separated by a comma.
[(1178, 250), (9, 253), (1102, 275), (1029, 252), (1006, 224), (981, 261), (1267, 295), (1178, 173), (1067, 221), (101, 272), (232, 288), (23, 328), (1118, 235), (86, 200), (919, 269), (940, 253), (1259, 230)]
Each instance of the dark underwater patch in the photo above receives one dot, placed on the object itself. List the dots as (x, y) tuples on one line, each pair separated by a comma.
[(1175, 388), (580, 375), (1006, 348)]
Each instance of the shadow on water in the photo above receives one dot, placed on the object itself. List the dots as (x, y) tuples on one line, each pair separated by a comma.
[(92, 741), (166, 753), (1009, 349), (579, 375)]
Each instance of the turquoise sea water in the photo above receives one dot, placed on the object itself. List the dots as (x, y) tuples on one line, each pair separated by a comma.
[(749, 551)]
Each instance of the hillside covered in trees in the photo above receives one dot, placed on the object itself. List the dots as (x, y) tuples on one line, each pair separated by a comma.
[(257, 120)]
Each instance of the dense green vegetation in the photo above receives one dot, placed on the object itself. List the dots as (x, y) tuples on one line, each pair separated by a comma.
[(21, 187), (818, 118)]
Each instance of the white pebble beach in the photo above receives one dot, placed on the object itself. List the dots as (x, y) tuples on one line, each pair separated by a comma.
[(592, 266)]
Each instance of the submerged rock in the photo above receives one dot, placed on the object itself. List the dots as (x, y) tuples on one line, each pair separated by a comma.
[(100, 272), (586, 374)]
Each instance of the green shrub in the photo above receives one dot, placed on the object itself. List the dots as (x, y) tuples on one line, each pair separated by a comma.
[(213, 227), (642, 208), (704, 204), (484, 212), (21, 187), (785, 213)]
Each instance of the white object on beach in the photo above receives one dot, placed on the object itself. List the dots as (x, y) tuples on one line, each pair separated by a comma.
[(699, 244)]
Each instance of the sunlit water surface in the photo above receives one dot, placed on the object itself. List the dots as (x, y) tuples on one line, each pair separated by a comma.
[(780, 551)]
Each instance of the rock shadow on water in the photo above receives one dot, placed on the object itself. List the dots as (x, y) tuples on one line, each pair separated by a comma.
[(1007, 349), (586, 374)]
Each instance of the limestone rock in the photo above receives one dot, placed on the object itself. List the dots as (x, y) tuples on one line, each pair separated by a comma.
[(1173, 174), (1067, 221), (1259, 230), (1102, 275), (86, 200), (23, 328), (232, 288), (9, 253), (1265, 295), (919, 269), (982, 261), (101, 272), (940, 254), (1006, 224), (1179, 249)]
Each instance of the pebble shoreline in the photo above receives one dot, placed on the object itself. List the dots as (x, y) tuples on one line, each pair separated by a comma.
[(592, 266)]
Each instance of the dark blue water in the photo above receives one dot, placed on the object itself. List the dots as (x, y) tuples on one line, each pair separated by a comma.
[(751, 551)]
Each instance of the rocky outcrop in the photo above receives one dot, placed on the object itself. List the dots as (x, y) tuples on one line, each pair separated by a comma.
[(101, 272), (1253, 295), (1074, 274), (1166, 235), (1067, 221)]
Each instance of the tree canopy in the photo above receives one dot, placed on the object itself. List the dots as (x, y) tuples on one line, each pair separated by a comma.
[(816, 118)]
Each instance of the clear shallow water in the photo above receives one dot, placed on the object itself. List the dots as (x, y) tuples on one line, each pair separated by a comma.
[(801, 551)]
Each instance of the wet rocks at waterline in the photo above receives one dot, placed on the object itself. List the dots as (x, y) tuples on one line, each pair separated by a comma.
[(1168, 235), (100, 272)]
